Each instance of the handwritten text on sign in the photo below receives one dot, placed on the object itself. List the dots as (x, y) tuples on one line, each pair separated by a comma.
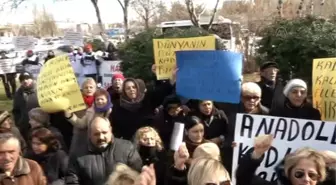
[(57, 87), (289, 134), (209, 75), (324, 87), (164, 52)]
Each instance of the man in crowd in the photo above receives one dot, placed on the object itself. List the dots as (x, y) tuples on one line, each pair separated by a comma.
[(90, 63), (271, 86), (14, 168), (25, 99), (104, 152)]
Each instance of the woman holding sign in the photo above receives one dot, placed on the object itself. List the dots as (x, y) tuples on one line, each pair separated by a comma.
[(296, 105), (305, 166), (100, 105)]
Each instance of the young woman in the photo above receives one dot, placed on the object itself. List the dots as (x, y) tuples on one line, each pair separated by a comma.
[(46, 150)]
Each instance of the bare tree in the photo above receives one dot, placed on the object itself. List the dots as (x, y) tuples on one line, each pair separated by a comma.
[(124, 5), (43, 23), (145, 9), (193, 15), (213, 14)]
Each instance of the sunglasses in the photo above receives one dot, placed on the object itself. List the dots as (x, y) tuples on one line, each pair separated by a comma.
[(221, 183), (251, 97), (311, 175)]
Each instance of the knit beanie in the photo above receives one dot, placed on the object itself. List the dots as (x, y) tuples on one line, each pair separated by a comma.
[(292, 84), (3, 116), (25, 75), (40, 116), (118, 76), (210, 150)]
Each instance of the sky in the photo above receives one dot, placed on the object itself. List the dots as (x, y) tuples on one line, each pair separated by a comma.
[(79, 11)]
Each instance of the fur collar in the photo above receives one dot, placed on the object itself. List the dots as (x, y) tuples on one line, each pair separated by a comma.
[(21, 168)]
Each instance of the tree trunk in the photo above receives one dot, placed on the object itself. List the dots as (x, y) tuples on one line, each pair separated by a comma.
[(100, 22), (126, 21)]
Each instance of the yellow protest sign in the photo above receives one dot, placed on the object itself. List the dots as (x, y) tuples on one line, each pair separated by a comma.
[(324, 87), (164, 52), (57, 87)]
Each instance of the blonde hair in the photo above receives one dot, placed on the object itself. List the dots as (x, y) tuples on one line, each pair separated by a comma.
[(292, 159), (122, 174), (87, 81), (203, 168), (140, 133), (250, 87), (207, 150)]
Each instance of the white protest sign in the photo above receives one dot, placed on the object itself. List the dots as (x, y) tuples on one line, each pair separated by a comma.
[(7, 66), (177, 136), (24, 43), (73, 38), (107, 69), (289, 134)]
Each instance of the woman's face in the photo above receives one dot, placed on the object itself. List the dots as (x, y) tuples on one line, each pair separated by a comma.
[(304, 173), (297, 96), (196, 133), (33, 123), (148, 139), (7, 124), (38, 147), (206, 107), (100, 101), (131, 90), (117, 84), (250, 101), (89, 89)]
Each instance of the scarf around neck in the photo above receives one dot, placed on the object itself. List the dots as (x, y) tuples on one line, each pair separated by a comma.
[(89, 100)]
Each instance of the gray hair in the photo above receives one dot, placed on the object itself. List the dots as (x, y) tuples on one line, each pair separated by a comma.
[(251, 87), (4, 137)]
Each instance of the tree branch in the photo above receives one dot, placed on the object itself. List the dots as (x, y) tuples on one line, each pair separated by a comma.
[(122, 6), (213, 15)]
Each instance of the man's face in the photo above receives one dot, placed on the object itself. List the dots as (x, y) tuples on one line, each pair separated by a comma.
[(269, 73), (9, 154), (117, 84), (101, 133), (27, 82)]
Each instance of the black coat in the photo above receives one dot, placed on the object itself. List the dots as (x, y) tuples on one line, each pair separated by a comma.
[(54, 164), (307, 111), (271, 97), (94, 167)]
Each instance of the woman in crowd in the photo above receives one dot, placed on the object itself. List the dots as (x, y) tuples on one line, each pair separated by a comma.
[(89, 87), (6, 122), (208, 171), (194, 133), (46, 150), (150, 148), (304, 166), (170, 112), (38, 118), (102, 106), (135, 108), (123, 175), (116, 88), (296, 105), (214, 120)]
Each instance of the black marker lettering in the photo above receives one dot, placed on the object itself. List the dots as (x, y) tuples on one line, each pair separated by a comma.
[(319, 137), (281, 123), (305, 130), (247, 124), (293, 124), (270, 162), (266, 127)]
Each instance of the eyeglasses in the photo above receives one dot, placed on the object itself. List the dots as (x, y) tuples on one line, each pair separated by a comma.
[(300, 174), (221, 183)]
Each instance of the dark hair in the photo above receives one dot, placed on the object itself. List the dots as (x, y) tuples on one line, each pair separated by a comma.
[(47, 137)]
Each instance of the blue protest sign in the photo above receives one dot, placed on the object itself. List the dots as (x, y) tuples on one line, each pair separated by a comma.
[(209, 75)]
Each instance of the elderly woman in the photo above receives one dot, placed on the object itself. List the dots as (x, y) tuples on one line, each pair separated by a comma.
[(250, 99), (296, 105), (102, 107), (304, 166)]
